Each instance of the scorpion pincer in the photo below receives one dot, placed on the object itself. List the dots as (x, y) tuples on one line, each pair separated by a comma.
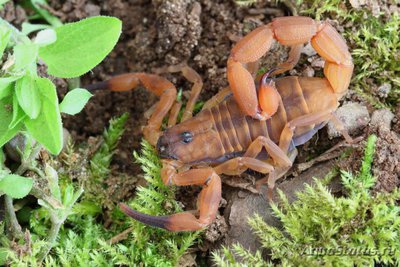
[(244, 126)]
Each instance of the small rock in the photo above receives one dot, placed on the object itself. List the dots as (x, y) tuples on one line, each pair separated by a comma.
[(309, 50), (92, 10), (187, 260), (318, 62), (382, 119), (216, 230), (384, 90), (308, 72), (353, 116), (243, 208)]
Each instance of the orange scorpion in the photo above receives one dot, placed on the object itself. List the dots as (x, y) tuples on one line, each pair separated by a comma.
[(258, 128)]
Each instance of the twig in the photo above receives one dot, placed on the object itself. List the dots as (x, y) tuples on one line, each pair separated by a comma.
[(13, 225), (55, 228), (121, 236)]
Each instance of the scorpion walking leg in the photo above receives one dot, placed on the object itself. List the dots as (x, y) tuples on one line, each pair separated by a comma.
[(154, 83), (218, 98), (192, 76), (208, 203), (173, 115), (307, 120), (248, 161), (240, 164)]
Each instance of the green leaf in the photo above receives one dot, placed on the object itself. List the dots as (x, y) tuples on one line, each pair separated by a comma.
[(80, 46), (16, 186), (47, 127), (28, 95), (75, 101), (5, 35), (18, 114), (6, 85), (6, 115), (25, 55)]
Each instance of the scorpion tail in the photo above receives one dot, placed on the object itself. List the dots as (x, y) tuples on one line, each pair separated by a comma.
[(98, 86), (155, 221), (183, 221)]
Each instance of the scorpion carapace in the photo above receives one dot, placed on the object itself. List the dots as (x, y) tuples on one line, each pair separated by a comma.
[(238, 130)]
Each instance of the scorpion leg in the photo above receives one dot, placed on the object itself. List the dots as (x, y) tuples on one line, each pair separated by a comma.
[(218, 98), (238, 165), (307, 120), (154, 83), (173, 115), (208, 203), (192, 76)]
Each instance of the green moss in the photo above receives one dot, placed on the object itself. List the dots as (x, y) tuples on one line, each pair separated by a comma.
[(83, 240), (320, 229)]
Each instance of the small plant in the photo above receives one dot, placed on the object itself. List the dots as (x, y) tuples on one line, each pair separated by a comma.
[(84, 241), (29, 108), (320, 229)]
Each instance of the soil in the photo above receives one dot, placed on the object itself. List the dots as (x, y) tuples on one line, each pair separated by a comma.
[(162, 33)]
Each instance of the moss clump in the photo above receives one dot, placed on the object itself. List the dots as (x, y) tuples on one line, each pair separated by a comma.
[(83, 240), (320, 229)]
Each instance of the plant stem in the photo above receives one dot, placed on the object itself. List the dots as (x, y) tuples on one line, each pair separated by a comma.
[(13, 227), (28, 163), (55, 228)]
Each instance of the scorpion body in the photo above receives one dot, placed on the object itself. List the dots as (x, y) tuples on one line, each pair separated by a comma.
[(252, 124), (232, 131)]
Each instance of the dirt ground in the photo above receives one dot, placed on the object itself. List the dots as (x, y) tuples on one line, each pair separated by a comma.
[(162, 33)]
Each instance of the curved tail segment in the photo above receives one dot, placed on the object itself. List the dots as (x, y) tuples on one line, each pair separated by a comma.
[(208, 203), (178, 222), (155, 221), (292, 32)]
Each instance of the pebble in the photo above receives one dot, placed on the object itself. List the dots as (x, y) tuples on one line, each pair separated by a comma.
[(308, 72), (246, 205), (382, 118), (309, 50), (354, 118), (384, 90)]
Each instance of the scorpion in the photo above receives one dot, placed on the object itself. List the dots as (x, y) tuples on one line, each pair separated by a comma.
[(252, 124)]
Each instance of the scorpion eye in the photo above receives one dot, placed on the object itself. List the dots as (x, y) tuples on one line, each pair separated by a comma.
[(187, 137)]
